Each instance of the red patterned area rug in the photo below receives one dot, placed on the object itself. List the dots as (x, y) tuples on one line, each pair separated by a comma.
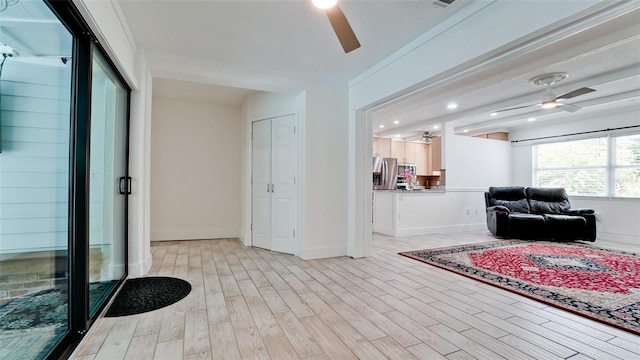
[(598, 283)]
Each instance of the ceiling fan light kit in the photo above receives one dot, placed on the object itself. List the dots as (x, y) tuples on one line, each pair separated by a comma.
[(339, 23), (548, 79), (549, 99), (324, 4)]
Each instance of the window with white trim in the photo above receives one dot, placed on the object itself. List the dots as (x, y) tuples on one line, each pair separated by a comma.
[(605, 166)]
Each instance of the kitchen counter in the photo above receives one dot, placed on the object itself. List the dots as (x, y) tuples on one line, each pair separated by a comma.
[(416, 191), (416, 212)]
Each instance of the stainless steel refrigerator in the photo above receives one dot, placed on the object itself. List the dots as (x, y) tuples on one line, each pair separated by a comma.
[(385, 173)]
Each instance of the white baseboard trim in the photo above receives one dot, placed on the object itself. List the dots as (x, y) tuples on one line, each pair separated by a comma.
[(439, 229), (322, 252), (194, 235), (384, 230), (140, 269), (245, 240), (621, 238), (467, 189)]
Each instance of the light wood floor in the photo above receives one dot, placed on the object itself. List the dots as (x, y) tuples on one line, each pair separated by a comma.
[(254, 304)]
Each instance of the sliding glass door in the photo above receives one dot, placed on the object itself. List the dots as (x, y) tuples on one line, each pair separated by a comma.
[(63, 179), (108, 183), (35, 117)]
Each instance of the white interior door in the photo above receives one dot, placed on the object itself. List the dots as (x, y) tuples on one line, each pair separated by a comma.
[(274, 196), (261, 188), (283, 178)]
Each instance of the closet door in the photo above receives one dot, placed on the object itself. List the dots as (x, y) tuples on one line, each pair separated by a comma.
[(274, 197), (261, 184), (283, 180)]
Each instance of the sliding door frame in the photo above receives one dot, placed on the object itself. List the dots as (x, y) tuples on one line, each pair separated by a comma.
[(79, 146)]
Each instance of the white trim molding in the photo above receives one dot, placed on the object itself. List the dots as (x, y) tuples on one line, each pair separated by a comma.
[(194, 235)]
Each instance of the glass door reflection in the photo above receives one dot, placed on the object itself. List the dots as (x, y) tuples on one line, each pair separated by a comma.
[(107, 206), (35, 117)]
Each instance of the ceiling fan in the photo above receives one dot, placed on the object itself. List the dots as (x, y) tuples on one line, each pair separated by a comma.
[(426, 136), (549, 99), (340, 24)]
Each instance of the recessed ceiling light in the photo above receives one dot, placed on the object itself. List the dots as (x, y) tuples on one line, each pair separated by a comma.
[(436, 127), (466, 130), (452, 106), (396, 122), (380, 126), (531, 119), (324, 4), (494, 114), (397, 135)]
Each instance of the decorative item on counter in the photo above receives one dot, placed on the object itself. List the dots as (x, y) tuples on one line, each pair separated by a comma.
[(410, 178)]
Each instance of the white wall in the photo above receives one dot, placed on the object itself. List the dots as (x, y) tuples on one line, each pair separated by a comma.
[(139, 170), (472, 166), (196, 170), (474, 162), (34, 163), (618, 218), (326, 172)]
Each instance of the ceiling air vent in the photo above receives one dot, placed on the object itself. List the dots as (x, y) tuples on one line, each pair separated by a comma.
[(443, 3)]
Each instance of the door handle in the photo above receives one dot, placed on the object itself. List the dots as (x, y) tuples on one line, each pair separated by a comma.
[(267, 187), (384, 175), (272, 188), (124, 185)]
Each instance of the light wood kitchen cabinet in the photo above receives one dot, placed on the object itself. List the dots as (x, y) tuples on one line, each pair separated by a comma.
[(410, 152), (436, 154), (494, 136), (374, 146), (384, 147), (426, 157), (423, 159), (397, 151)]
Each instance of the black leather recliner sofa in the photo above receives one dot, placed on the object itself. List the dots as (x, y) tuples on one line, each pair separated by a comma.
[(537, 213)]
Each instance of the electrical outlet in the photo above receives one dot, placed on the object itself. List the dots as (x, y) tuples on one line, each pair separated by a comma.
[(598, 217)]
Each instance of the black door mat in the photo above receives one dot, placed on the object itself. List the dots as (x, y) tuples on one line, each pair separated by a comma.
[(146, 294)]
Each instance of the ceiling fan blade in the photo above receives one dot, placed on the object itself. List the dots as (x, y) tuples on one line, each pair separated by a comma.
[(569, 108), (343, 29), (574, 93), (514, 108)]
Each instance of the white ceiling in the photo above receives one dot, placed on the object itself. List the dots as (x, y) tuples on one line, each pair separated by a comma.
[(605, 57), (293, 38), (289, 37)]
